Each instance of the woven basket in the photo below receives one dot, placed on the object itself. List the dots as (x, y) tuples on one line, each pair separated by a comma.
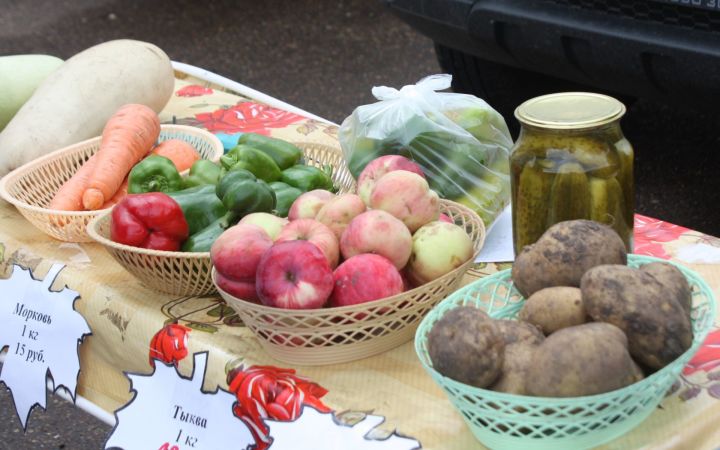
[(176, 273), (347, 333), (506, 421), (186, 273), (32, 186)]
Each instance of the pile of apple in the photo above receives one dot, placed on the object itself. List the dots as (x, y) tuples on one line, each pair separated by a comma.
[(346, 249)]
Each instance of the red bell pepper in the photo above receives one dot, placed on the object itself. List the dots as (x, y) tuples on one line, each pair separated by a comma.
[(152, 220)]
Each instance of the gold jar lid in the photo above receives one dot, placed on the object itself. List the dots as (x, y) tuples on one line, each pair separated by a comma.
[(570, 111)]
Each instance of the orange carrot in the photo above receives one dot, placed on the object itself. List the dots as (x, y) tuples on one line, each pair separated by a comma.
[(69, 196), (127, 137), (182, 154), (119, 195)]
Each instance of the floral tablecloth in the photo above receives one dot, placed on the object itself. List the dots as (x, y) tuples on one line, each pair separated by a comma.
[(133, 325)]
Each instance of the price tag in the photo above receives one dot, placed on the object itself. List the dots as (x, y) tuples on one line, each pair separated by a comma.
[(42, 332), (171, 412)]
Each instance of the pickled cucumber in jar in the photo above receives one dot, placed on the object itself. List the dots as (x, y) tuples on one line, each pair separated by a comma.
[(571, 161)]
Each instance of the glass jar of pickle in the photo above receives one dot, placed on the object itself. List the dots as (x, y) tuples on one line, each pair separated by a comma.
[(571, 161)]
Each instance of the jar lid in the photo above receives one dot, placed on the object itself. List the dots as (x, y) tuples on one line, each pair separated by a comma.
[(570, 110)]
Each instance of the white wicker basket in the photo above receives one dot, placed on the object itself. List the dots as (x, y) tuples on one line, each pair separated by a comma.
[(347, 333), (31, 187), (176, 273)]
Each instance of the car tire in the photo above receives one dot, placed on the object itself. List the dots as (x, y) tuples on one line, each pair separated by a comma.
[(503, 87)]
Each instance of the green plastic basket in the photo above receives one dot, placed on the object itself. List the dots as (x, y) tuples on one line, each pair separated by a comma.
[(506, 421)]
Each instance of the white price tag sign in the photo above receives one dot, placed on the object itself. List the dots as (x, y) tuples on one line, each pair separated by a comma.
[(42, 332), (171, 412)]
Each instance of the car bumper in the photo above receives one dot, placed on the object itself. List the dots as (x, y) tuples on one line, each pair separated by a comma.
[(638, 52)]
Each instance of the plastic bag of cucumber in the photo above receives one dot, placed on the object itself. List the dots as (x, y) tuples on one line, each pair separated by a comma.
[(461, 142)]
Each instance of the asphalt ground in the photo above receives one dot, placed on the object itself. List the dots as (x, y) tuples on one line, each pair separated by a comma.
[(323, 56)]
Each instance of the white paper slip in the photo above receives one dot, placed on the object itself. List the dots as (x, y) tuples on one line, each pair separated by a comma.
[(171, 412), (43, 333), (498, 245)]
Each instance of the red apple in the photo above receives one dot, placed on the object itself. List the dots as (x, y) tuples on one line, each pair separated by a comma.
[(445, 218), (237, 251), (376, 231), (307, 205), (338, 212), (364, 278), (379, 167), (244, 289), (314, 232), (408, 197), (294, 275)]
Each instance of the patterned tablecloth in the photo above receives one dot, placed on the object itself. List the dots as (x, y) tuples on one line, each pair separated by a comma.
[(131, 323)]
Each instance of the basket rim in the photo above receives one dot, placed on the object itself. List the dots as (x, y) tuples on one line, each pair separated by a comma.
[(56, 154), (97, 237), (560, 401), (305, 313)]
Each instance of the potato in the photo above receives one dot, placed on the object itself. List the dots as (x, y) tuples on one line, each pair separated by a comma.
[(553, 308), (657, 326), (586, 359), (466, 346), (673, 280), (514, 369), (564, 253), (516, 332), (637, 371)]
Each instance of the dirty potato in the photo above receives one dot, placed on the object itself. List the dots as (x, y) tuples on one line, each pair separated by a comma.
[(553, 308), (586, 359), (657, 326), (515, 367), (673, 280), (516, 331), (466, 346), (564, 253)]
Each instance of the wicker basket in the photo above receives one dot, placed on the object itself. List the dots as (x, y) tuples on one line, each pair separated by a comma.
[(176, 273), (32, 186), (506, 421), (185, 273), (341, 334)]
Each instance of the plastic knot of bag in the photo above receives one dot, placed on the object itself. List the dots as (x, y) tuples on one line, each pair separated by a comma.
[(426, 85)]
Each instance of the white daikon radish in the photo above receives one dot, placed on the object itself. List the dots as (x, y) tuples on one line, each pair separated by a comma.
[(74, 102)]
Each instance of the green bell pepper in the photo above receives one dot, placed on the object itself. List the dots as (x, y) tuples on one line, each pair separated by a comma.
[(200, 206), (238, 194), (242, 193), (203, 172), (244, 157), (282, 152), (307, 178), (204, 239), (285, 195), (154, 174)]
